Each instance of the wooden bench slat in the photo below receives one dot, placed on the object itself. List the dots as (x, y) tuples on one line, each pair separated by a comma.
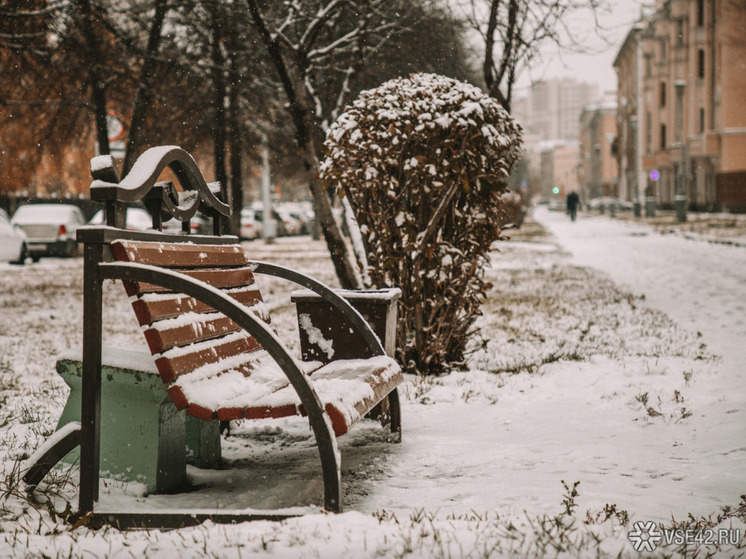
[(179, 255), (351, 388), (190, 327), (153, 307), (181, 361), (348, 389), (161, 338), (256, 374), (216, 277)]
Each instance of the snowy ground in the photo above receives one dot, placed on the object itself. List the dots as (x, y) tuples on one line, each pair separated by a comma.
[(609, 355)]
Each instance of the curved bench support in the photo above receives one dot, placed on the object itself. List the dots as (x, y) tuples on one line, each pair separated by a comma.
[(338, 302), (48, 455), (349, 312), (140, 185), (320, 423)]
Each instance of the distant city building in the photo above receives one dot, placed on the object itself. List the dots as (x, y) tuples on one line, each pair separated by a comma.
[(559, 169), (552, 108), (598, 171), (550, 114), (682, 100)]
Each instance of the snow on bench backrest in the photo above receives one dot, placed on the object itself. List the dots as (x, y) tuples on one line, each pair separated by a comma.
[(184, 334)]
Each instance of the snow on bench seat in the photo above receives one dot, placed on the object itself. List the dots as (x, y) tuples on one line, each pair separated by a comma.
[(216, 370), (348, 389)]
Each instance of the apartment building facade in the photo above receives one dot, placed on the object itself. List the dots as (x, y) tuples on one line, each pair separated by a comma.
[(598, 169), (682, 105), (551, 108)]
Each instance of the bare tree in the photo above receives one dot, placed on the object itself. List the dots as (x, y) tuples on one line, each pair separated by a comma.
[(514, 31), (317, 48), (144, 92)]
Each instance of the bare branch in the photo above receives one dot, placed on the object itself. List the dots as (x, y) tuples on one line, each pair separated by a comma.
[(51, 8)]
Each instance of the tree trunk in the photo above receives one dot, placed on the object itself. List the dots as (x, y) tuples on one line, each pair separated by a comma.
[(307, 135), (144, 88), (236, 147), (98, 91), (219, 121), (333, 236)]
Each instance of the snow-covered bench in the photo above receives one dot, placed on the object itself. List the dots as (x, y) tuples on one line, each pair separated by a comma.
[(207, 328)]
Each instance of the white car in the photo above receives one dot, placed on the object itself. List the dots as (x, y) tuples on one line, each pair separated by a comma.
[(50, 228), (251, 227), (137, 219), (608, 201), (12, 241), (291, 224)]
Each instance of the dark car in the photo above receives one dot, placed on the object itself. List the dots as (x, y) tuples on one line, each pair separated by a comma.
[(50, 228)]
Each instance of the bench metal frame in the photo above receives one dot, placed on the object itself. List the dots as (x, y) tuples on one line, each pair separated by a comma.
[(98, 267)]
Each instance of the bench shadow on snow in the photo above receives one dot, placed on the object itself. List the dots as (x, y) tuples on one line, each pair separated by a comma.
[(274, 465)]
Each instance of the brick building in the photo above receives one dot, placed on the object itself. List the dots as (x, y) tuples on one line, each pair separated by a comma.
[(682, 99)]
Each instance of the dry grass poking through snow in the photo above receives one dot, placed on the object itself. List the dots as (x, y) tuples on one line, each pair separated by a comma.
[(722, 228), (541, 310)]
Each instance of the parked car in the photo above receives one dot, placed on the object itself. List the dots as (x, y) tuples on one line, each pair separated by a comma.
[(608, 201), (251, 228), (305, 217), (290, 223), (199, 224), (279, 223), (50, 228), (137, 219), (12, 241)]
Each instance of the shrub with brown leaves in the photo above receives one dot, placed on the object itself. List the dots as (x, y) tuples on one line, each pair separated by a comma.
[(424, 161)]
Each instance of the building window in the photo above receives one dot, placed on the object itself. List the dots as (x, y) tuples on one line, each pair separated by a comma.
[(648, 133), (680, 32), (663, 136), (663, 94), (701, 64), (701, 119), (663, 50), (700, 13)]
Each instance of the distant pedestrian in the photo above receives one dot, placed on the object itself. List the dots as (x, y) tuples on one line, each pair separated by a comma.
[(573, 201)]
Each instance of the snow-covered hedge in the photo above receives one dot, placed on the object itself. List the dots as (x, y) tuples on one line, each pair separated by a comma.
[(423, 160)]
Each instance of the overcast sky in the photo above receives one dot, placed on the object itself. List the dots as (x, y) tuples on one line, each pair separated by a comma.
[(593, 68)]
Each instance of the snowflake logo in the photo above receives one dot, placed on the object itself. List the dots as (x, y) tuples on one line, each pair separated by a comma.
[(645, 536)]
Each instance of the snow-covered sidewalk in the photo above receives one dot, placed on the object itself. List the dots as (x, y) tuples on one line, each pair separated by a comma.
[(702, 286)]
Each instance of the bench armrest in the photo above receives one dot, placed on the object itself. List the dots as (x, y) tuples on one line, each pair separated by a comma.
[(329, 295)]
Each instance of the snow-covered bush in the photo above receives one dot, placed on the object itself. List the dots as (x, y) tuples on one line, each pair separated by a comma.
[(423, 161)]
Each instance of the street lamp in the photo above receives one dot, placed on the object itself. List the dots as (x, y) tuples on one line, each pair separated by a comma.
[(638, 167), (680, 196), (637, 124)]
